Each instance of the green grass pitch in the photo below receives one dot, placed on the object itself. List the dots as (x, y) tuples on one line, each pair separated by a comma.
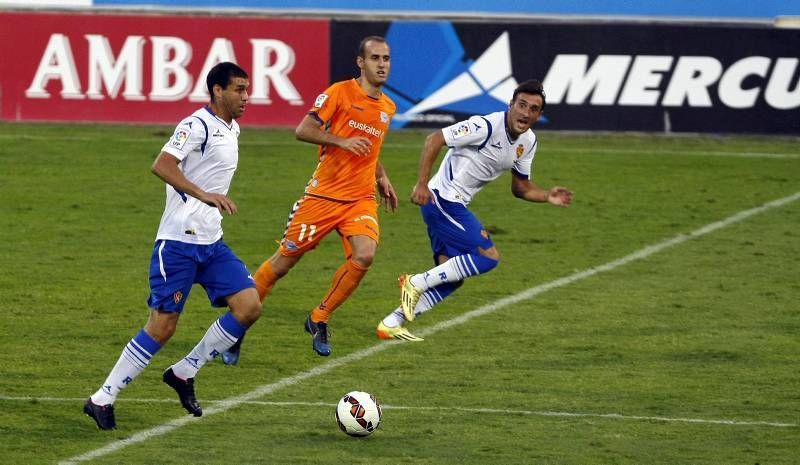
[(684, 355)]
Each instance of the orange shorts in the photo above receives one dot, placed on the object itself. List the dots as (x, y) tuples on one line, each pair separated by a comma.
[(312, 218)]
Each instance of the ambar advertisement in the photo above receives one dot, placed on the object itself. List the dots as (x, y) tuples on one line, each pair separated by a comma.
[(150, 68)]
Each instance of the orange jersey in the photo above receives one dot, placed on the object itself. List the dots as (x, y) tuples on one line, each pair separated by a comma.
[(347, 111)]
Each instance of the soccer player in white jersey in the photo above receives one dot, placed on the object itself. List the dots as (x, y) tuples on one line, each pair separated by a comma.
[(197, 164), (480, 150)]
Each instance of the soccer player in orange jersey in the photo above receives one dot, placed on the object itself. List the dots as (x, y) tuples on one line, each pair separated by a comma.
[(348, 121)]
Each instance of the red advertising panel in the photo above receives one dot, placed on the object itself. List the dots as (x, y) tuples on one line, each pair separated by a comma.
[(152, 68)]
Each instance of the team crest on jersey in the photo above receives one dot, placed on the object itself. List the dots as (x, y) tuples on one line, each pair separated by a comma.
[(384, 117), (177, 297), (179, 138), (320, 100), (485, 233), (460, 130), (520, 150)]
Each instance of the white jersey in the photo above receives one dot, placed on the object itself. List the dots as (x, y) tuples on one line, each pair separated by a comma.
[(480, 151), (208, 149)]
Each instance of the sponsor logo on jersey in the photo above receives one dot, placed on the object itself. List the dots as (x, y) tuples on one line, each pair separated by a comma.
[(460, 130), (365, 127), (179, 138), (497, 145), (290, 245), (177, 297), (218, 133), (320, 100), (520, 150)]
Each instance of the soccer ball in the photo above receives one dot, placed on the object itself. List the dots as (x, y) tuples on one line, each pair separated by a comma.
[(358, 413)]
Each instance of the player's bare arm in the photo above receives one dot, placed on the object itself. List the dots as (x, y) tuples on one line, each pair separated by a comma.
[(421, 195), (527, 190), (385, 188), (166, 168), (309, 130)]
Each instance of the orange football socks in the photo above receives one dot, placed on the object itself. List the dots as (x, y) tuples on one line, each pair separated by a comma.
[(265, 278), (345, 281)]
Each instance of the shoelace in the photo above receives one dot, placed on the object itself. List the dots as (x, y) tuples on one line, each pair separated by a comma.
[(322, 330)]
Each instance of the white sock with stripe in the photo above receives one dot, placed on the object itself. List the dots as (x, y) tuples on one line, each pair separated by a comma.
[(134, 358), (455, 269), (221, 335), (427, 301)]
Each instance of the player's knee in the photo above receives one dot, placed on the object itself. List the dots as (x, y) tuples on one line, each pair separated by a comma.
[(252, 313), (364, 259), (247, 314), (161, 326), (490, 253)]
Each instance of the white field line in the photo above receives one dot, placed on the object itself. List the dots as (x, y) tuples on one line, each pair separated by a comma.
[(231, 402), (539, 413), (416, 147)]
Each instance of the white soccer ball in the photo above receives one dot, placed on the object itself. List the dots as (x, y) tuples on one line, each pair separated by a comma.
[(358, 413)]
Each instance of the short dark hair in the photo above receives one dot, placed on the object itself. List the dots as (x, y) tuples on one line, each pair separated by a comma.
[(362, 47), (221, 74), (533, 87)]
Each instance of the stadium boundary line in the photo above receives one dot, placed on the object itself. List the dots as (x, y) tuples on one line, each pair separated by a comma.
[(539, 413), (231, 402)]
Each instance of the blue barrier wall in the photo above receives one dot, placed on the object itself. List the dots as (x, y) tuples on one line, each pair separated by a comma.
[(764, 9)]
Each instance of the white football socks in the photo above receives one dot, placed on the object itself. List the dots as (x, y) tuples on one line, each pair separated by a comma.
[(215, 341), (426, 302), (134, 358), (455, 269)]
